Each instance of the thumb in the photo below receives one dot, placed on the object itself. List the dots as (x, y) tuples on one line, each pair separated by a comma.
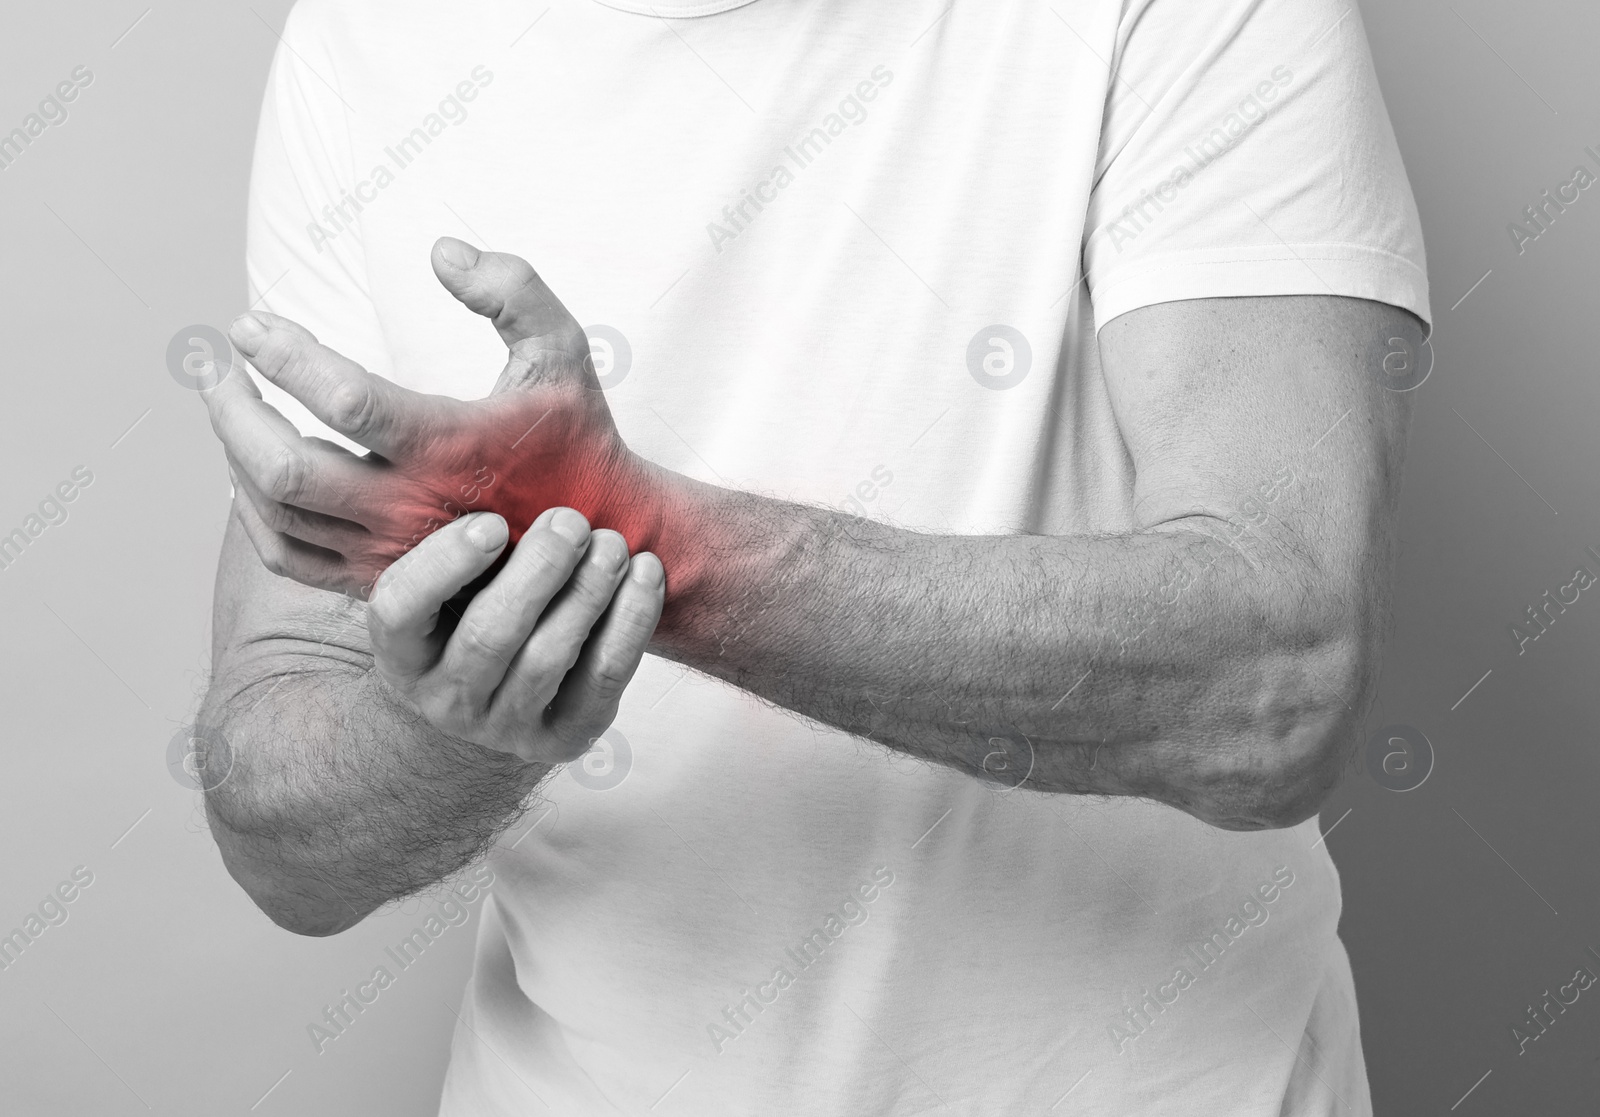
[(506, 290)]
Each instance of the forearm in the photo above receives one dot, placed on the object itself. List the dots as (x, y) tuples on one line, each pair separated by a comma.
[(1162, 663), (1159, 662), (337, 799)]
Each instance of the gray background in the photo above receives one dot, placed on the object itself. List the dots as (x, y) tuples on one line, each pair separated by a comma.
[(1465, 899)]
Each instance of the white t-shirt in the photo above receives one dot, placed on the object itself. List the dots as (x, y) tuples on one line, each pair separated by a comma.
[(845, 243)]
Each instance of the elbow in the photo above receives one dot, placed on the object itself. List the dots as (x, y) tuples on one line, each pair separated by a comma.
[(1299, 720), (297, 898), (1281, 795), (286, 864), (282, 840), (298, 906), (303, 914), (299, 919)]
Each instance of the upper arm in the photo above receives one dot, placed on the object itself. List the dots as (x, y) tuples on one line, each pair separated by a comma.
[(1275, 422), (1213, 396)]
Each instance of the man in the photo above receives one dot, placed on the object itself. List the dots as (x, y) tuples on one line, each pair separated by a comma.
[(999, 388)]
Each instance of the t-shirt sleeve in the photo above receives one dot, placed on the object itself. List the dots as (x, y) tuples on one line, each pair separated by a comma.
[(1246, 150), (303, 257)]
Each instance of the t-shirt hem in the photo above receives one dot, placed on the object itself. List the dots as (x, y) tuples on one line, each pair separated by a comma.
[(672, 10), (1351, 270)]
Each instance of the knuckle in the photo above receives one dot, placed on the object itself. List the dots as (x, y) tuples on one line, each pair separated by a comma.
[(277, 516), (274, 559), (297, 356), (352, 408), (516, 277), (546, 664), (594, 584), (519, 269), (637, 622), (287, 476), (478, 639), (286, 360), (503, 274), (610, 673), (550, 550)]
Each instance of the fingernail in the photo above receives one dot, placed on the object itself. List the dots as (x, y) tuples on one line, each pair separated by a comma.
[(488, 532), (647, 570), (247, 329), (618, 557), (570, 525), (458, 253)]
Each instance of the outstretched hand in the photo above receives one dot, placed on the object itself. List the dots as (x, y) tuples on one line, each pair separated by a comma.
[(544, 437)]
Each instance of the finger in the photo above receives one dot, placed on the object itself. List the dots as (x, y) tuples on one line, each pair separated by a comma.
[(228, 391), (547, 656), (403, 609), (332, 533), (377, 413), (285, 466), (501, 616), (237, 398), (587, 701), (288, 557), (506, 290)]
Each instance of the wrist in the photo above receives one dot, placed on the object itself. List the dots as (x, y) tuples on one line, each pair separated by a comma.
[(619, 492), (665, 513)]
